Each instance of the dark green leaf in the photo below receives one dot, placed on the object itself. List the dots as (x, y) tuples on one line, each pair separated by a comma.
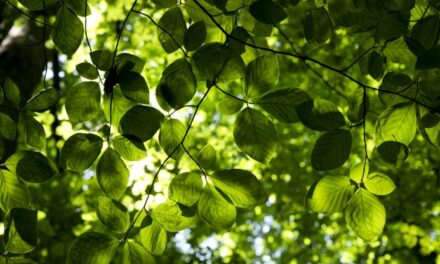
[(255, 134), (207, 157), (87, 70), (215, 210), (12, 92), (92, 248), (79, 7), (331, 150), (141, 122), (8, 128), (318, 26), (379, 184), (154, 238), (102, 59), (129, 62), (330, 194), (320, 115), (365, 215), (241, 187), (120, 105), (112, 174), (81, 150), (282, 104), (130, 148), (393, 152), (43, 101), (174, 218), (68, 32), (31, 166), (215, 61), (397, 123), (195, 36), (395, 83), (228, 105), (31, 131), (430, 59), (83, 101), (376, 65), (21, 230), (262, 75), (13, 192), (185, 188), (426, 31), (112, 214), (398, 51), (134, 87), (357, 106), (178, 84), (239, 36), (174, 29), (267, 11)]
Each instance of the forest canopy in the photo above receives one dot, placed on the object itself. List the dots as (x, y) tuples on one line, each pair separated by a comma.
[(219, 131)]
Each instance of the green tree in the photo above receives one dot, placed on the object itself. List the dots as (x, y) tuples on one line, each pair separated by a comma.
[(206, 131)]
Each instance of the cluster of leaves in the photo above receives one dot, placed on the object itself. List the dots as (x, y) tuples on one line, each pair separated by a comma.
[(247, 73)]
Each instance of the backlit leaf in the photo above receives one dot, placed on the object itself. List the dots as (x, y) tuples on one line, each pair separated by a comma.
[(331, 150), (21, 230), (31, 131), (154, 238), (81, 150), (68, 32), (141, 122), (13, 192), (320, 115), (173, 217), (8, 128), (92, 248), (173, 23), (83, 101), (171, 134), (112, 214), (185, 188), (397, 123), (215, 210), (112, 174), (43, 101), (379, 184), (262, 75)]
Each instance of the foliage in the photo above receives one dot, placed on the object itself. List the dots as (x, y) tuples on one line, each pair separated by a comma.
[(233, 131)]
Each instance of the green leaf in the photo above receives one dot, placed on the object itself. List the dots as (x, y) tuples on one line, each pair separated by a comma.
[(320, 114), (112, 214), (2, 95), (171, 134), (215, 61), (174, 218), (12, 92), (43, 101), (135, 253), (207, 157), (393, 152), (154, 238), (267, 11), (102, 59), (120, 105), (262, 75), (318, 26), (379, 184), (13, 192), (2, 148), (141, 122), (83, 101), (79, 7), (359, 171), (255, 134), (81, 150), (172, 29), (426, 31), (87, 70), (195, 36), (8, 129), (21, 230), (356, 107), (130, 148), (330, 194), (281, 104), (112, 174), (239, 36), (35, 5), (376, 65), (68, 32), (92, 248), (215, 210), (31, 131), (178, 84), (134, 87), (397, 123), (241, 187), (365, 215), (228, 105), (398, 51), (129, 62), (185, 188), (331, 150), (30, 166)]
